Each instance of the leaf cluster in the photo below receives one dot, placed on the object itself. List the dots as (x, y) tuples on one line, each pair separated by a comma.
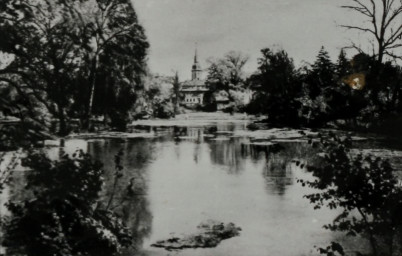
[(364, 187), (62, 217)]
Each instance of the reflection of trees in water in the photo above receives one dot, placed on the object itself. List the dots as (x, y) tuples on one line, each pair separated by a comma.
[(130, 201), (136, 214), (278, 171), (227, 153), (255, 152), (15, 190)]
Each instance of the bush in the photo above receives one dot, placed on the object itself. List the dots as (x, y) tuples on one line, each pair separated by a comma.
[(164, 110), (61, 217), (365, 188)]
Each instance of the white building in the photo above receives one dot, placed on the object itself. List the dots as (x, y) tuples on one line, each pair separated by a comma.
[(193, 91)]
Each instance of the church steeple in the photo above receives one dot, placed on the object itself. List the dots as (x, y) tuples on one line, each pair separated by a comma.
[(196, 69), (196, 55)]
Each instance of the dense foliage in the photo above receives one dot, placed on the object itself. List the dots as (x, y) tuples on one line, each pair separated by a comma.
[(276, 88), (62, 214), (73, 58), (358, 93), (365, 189), (226, 80)]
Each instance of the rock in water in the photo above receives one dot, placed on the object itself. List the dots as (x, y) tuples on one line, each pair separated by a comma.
[(209, 234)]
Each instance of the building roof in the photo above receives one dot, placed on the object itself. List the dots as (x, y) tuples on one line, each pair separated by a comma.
[(195, 85), (195, 82)]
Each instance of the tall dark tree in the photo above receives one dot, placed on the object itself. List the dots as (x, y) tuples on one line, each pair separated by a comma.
[(176, 92), (276, 87), (319, 84), (343, 66), (115, 54), (323, 69)]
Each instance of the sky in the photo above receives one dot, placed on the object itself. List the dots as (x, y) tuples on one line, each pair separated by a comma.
[(300, 27)]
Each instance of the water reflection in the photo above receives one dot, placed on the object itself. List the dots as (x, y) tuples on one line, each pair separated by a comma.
[(281, 164), (130, 199), (187, 175), (228, 154)]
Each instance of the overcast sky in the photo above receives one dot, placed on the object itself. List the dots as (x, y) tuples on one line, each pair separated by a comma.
[(300, 27)]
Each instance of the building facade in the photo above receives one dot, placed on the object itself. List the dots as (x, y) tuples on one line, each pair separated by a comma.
[(193, 91)]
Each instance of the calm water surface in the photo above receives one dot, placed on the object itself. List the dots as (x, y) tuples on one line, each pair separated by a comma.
[(188, 175), (184, 176)]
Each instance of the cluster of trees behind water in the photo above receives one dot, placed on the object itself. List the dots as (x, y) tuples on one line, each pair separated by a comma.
[(360, 92), (356, 93)]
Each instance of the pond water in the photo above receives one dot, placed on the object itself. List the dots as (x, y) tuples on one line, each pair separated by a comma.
[(182, 176)]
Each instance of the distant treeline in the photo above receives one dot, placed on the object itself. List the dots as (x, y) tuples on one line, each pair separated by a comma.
[(360, 92)]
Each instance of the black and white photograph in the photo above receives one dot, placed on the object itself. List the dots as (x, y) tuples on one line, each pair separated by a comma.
[(200, 127)]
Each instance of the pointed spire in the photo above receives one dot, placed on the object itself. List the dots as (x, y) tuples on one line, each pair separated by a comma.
[(196, 53), (196, 68)]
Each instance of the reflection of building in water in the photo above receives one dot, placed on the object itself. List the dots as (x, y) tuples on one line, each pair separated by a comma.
[(195, 133)]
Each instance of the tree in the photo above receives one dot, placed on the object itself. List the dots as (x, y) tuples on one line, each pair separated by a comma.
[(343, 66), (116, 52), (385, 27), (276, 87), (159, 100), (63, 49), (323, 70), (227, 73), (176, 92), (39, 34), (318, 84)]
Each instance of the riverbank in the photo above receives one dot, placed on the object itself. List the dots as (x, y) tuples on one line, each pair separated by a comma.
[(198, 119)]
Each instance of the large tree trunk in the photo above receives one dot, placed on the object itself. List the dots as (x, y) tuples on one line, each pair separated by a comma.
[(380, 53), (92, 90), (62, 122)]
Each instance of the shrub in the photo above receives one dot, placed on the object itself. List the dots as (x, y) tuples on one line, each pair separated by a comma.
[(365, 188), (164, 110), (62, 217)]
